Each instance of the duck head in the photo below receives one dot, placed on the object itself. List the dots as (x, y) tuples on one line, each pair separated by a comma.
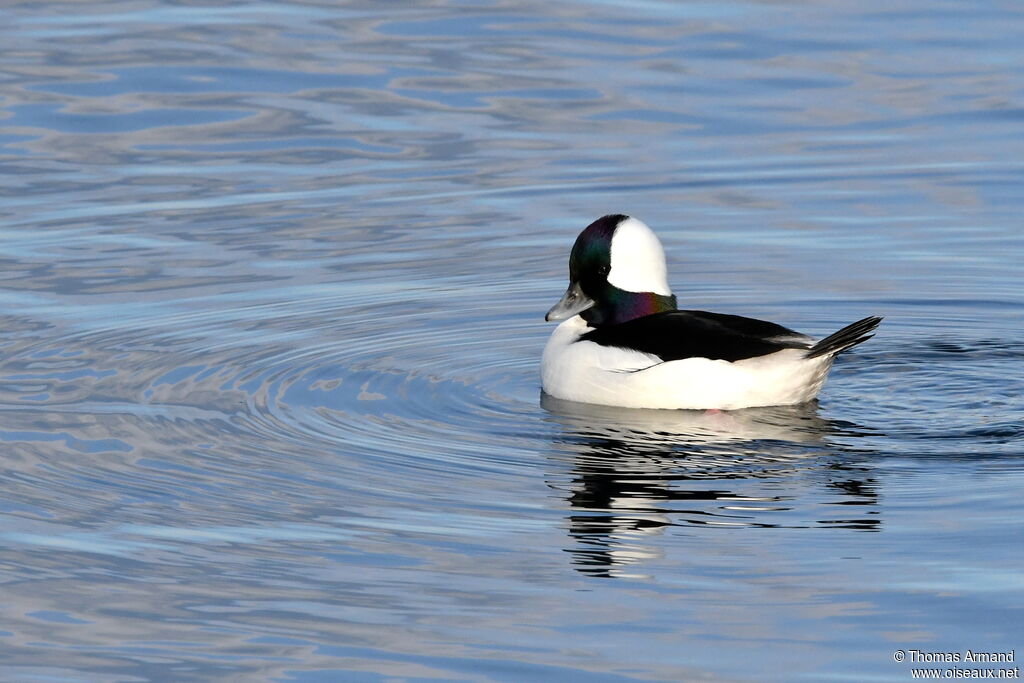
[(616, 273)]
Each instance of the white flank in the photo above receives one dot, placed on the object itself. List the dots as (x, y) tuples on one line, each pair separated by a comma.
[(637, 259), (590, 373)]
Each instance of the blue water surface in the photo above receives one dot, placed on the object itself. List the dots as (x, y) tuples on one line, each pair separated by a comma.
[(272, 297)]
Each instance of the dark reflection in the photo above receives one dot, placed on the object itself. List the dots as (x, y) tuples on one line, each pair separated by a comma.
[(629, 473)]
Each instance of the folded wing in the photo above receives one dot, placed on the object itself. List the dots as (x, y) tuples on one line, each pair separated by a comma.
[(675, 335)]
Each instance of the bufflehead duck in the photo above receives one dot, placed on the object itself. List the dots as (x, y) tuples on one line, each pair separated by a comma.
[(624, 343)]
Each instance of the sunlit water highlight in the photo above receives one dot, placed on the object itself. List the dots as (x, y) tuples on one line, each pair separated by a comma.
[(273, 286)]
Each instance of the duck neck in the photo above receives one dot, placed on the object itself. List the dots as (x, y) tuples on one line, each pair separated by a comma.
[(619, 306)]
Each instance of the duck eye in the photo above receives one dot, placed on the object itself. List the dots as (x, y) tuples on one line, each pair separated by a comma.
[(603, 270)]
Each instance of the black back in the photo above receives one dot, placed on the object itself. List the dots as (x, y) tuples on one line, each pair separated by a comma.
[(675, 335)]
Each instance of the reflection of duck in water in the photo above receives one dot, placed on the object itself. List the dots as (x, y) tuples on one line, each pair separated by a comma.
[(624, 343), (798, 423), (629, 473)]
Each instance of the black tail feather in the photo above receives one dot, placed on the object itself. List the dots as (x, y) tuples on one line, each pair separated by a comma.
[(849, 336)]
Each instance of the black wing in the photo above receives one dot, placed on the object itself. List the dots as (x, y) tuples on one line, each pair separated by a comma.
[(674, 335)]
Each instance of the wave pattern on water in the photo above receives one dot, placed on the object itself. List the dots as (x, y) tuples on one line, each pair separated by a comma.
[(271, 297)]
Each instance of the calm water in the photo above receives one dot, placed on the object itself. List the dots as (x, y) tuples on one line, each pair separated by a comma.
[(273, 279)]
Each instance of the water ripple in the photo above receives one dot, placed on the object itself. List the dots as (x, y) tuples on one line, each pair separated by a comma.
[(272, 290)]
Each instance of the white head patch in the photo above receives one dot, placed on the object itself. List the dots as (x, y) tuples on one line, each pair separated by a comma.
[(637, 259)]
